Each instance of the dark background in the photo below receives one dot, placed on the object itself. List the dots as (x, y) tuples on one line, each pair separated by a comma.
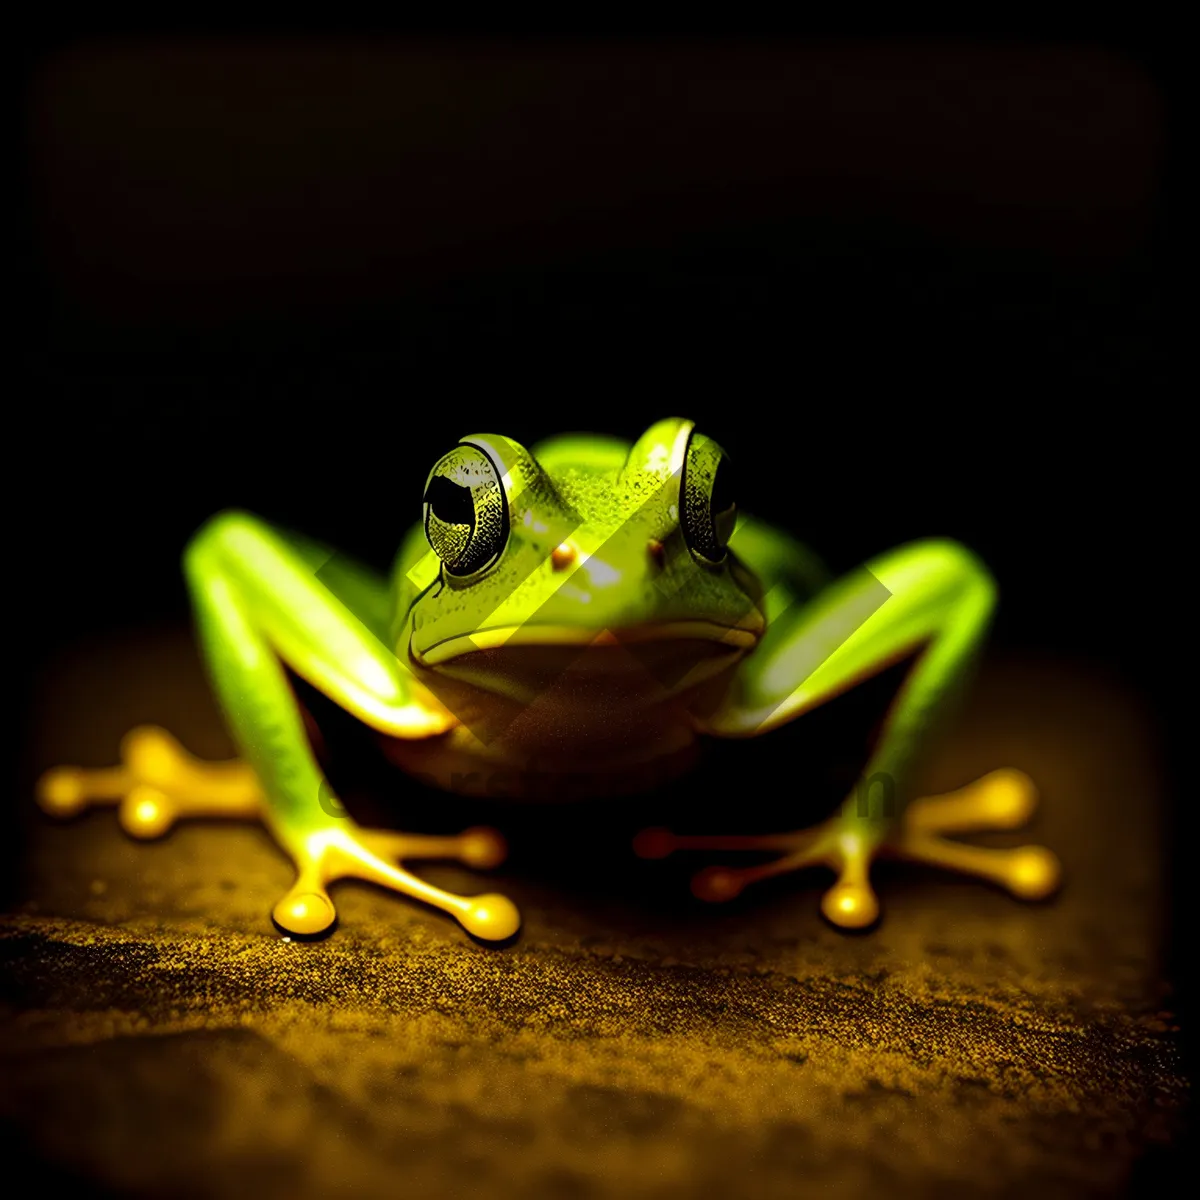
[(915, 285)]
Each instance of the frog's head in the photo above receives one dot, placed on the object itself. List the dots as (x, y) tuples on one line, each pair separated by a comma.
[(583, 542)]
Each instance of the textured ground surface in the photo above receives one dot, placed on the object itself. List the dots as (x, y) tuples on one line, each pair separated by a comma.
[(159, 1035)]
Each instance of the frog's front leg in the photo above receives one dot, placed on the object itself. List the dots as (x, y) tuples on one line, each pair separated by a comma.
[(259, 603), (932, 600)]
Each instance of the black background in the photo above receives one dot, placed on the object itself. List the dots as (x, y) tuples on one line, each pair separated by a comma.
[(919, 292)]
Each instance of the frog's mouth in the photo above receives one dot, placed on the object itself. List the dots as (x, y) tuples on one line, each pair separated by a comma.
[(565, 666), (673, 639)]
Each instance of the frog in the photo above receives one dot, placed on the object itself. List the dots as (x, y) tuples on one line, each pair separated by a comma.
[(590, 608)]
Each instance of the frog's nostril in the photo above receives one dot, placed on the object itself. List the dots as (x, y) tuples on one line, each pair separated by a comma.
[(655, 547)]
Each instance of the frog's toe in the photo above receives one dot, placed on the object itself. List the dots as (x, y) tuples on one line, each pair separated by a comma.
[(718, 884), (482, 848), (146, 812), (491, 917), (850, 905), (1028, 872), (305, 911), (1003, 799), (62, 791), (478, 847), (1033, 872)]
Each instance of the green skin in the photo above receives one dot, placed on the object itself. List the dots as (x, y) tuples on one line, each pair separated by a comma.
[(598, 543)]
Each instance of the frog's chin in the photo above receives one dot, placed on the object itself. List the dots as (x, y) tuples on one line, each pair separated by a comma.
[(552, 643)]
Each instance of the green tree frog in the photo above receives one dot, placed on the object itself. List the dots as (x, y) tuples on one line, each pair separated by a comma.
[(587, 607)]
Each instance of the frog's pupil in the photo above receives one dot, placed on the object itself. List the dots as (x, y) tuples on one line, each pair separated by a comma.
[(450, 501)]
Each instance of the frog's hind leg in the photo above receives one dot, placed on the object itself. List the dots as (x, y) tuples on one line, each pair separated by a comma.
[(156, 784)]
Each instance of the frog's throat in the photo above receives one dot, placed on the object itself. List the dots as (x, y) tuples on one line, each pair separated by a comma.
[(736, 637)]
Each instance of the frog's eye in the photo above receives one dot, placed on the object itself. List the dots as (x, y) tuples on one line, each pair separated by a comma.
[(707, 511), (466, 513)]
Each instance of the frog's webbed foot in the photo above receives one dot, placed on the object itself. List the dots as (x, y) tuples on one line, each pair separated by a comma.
[(157, 783), (848, 844)]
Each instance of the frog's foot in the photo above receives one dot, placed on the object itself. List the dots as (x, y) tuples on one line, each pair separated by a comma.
[(157, 783), (331, 854), (848, 843), (850, 902)]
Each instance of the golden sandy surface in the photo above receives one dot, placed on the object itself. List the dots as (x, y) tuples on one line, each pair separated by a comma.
[(161, 1037)]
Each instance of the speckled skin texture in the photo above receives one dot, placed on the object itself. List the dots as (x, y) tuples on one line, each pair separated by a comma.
[(160, 1037)]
